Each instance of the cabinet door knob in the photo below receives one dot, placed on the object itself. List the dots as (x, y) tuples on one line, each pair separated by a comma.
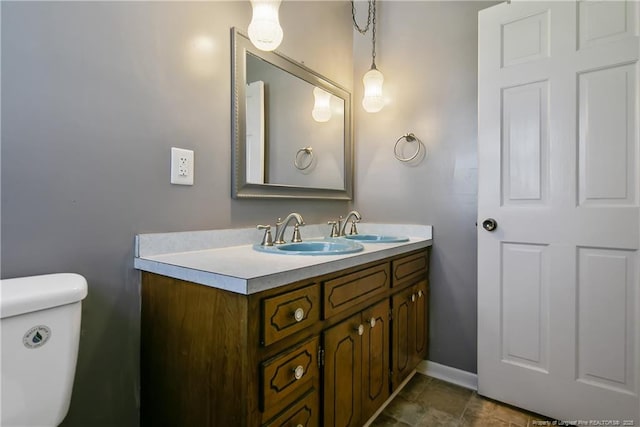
[(420, 293), (299, 425), (298, 314), (372, 322), (413, 297), (360, 329), (298, 372)]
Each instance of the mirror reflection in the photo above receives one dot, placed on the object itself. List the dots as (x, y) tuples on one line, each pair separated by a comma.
[(291, 128)]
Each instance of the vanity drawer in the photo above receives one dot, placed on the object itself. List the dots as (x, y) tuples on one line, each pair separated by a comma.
[(286, 377), (288, 313), (344, 292), (304, 413), (410, 268)]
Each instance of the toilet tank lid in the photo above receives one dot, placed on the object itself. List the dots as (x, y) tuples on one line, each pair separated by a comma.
[(26, 294)]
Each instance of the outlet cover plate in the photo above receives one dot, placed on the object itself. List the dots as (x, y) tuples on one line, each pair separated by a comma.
[(181, 166)]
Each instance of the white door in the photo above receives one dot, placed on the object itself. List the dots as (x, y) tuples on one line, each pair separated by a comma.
[(558, 281), (255, 132)]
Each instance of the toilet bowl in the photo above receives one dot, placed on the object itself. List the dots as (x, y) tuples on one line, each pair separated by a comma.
[(40, 329)]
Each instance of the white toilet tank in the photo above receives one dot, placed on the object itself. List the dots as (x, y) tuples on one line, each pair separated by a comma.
[(40, 329)]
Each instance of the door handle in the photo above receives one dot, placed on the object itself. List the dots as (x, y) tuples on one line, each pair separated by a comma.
[(490, 224)]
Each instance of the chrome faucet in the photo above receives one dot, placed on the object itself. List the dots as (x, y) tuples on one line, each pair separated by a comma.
[(357, 218), (282, 225)]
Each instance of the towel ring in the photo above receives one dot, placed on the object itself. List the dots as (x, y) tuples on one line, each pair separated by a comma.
[(299, 157), (409, 137)]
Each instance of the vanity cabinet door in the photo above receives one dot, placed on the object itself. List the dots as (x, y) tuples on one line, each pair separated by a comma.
[(421, 305), (342, 373), (403, 336), (375, 358)]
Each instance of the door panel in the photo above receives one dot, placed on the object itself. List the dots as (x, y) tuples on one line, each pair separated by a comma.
[(342, 374), (525, 143), (402, 336), (605, 334), (558, 153), (607, 131), (525, 305), (422, 319), (375, 358)]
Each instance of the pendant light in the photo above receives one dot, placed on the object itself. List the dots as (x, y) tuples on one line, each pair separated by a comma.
[(372, 102), (321, 106), (265, 31)]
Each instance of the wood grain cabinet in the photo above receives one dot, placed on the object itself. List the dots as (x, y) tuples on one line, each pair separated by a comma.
[(324, 351)]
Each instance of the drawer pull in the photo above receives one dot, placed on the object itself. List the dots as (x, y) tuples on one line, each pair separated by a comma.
[(360, 329), (372, 322), (298, 372), (299, 425), (413, 297), (298, 314), (420, 293)]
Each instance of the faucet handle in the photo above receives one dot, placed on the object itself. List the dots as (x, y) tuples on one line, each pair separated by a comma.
[(354, 229), (296, 234), (267, 240), (334, 228)]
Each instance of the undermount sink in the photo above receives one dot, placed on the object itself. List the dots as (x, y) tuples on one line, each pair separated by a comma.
[(376, 238), (316, 247)]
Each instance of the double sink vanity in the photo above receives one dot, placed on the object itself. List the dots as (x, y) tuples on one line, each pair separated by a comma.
[(239, 332)]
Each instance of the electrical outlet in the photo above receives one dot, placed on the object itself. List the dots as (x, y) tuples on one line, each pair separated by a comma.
[(181, 166)]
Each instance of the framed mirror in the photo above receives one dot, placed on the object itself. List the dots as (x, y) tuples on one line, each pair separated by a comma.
[(291, 128)]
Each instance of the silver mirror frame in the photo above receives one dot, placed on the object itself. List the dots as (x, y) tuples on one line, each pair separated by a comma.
[(240, 188)]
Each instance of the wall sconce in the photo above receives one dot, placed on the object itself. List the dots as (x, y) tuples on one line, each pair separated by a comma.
[(264, 30), (321, 106), (372, 102)]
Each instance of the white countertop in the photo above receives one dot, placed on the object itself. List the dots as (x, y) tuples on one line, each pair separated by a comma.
[(225, 259)]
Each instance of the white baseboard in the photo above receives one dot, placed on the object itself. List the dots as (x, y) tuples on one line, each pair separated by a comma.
[(447, 373)]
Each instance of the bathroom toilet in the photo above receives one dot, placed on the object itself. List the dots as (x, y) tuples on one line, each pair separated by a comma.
[(40, 329)]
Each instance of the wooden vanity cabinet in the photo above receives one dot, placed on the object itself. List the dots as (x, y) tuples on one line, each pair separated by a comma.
[(286, 357)]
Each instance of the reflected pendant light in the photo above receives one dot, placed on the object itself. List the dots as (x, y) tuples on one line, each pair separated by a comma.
[(265, 31), (372, 102), (321, 106)]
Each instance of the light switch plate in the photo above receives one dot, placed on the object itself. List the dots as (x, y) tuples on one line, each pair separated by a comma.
[(181, 166)]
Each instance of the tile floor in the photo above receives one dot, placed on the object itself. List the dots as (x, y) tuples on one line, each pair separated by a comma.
[(429, 402)]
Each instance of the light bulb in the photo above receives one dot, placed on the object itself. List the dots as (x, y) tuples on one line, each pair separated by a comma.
[(321, 106), (372, 100), (265, 31)]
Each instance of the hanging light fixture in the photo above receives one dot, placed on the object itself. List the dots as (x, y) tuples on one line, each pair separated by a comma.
[(321, 106), (265, 31), (372, 102)]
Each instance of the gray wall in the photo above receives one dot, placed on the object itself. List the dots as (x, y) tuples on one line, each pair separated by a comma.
[(427, 52), (94, 94)]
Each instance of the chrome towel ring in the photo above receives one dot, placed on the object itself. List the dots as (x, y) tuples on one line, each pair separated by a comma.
[(410, 138), (300, 155)]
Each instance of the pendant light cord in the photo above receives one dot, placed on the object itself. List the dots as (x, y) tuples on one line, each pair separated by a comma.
[(371, 18)]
